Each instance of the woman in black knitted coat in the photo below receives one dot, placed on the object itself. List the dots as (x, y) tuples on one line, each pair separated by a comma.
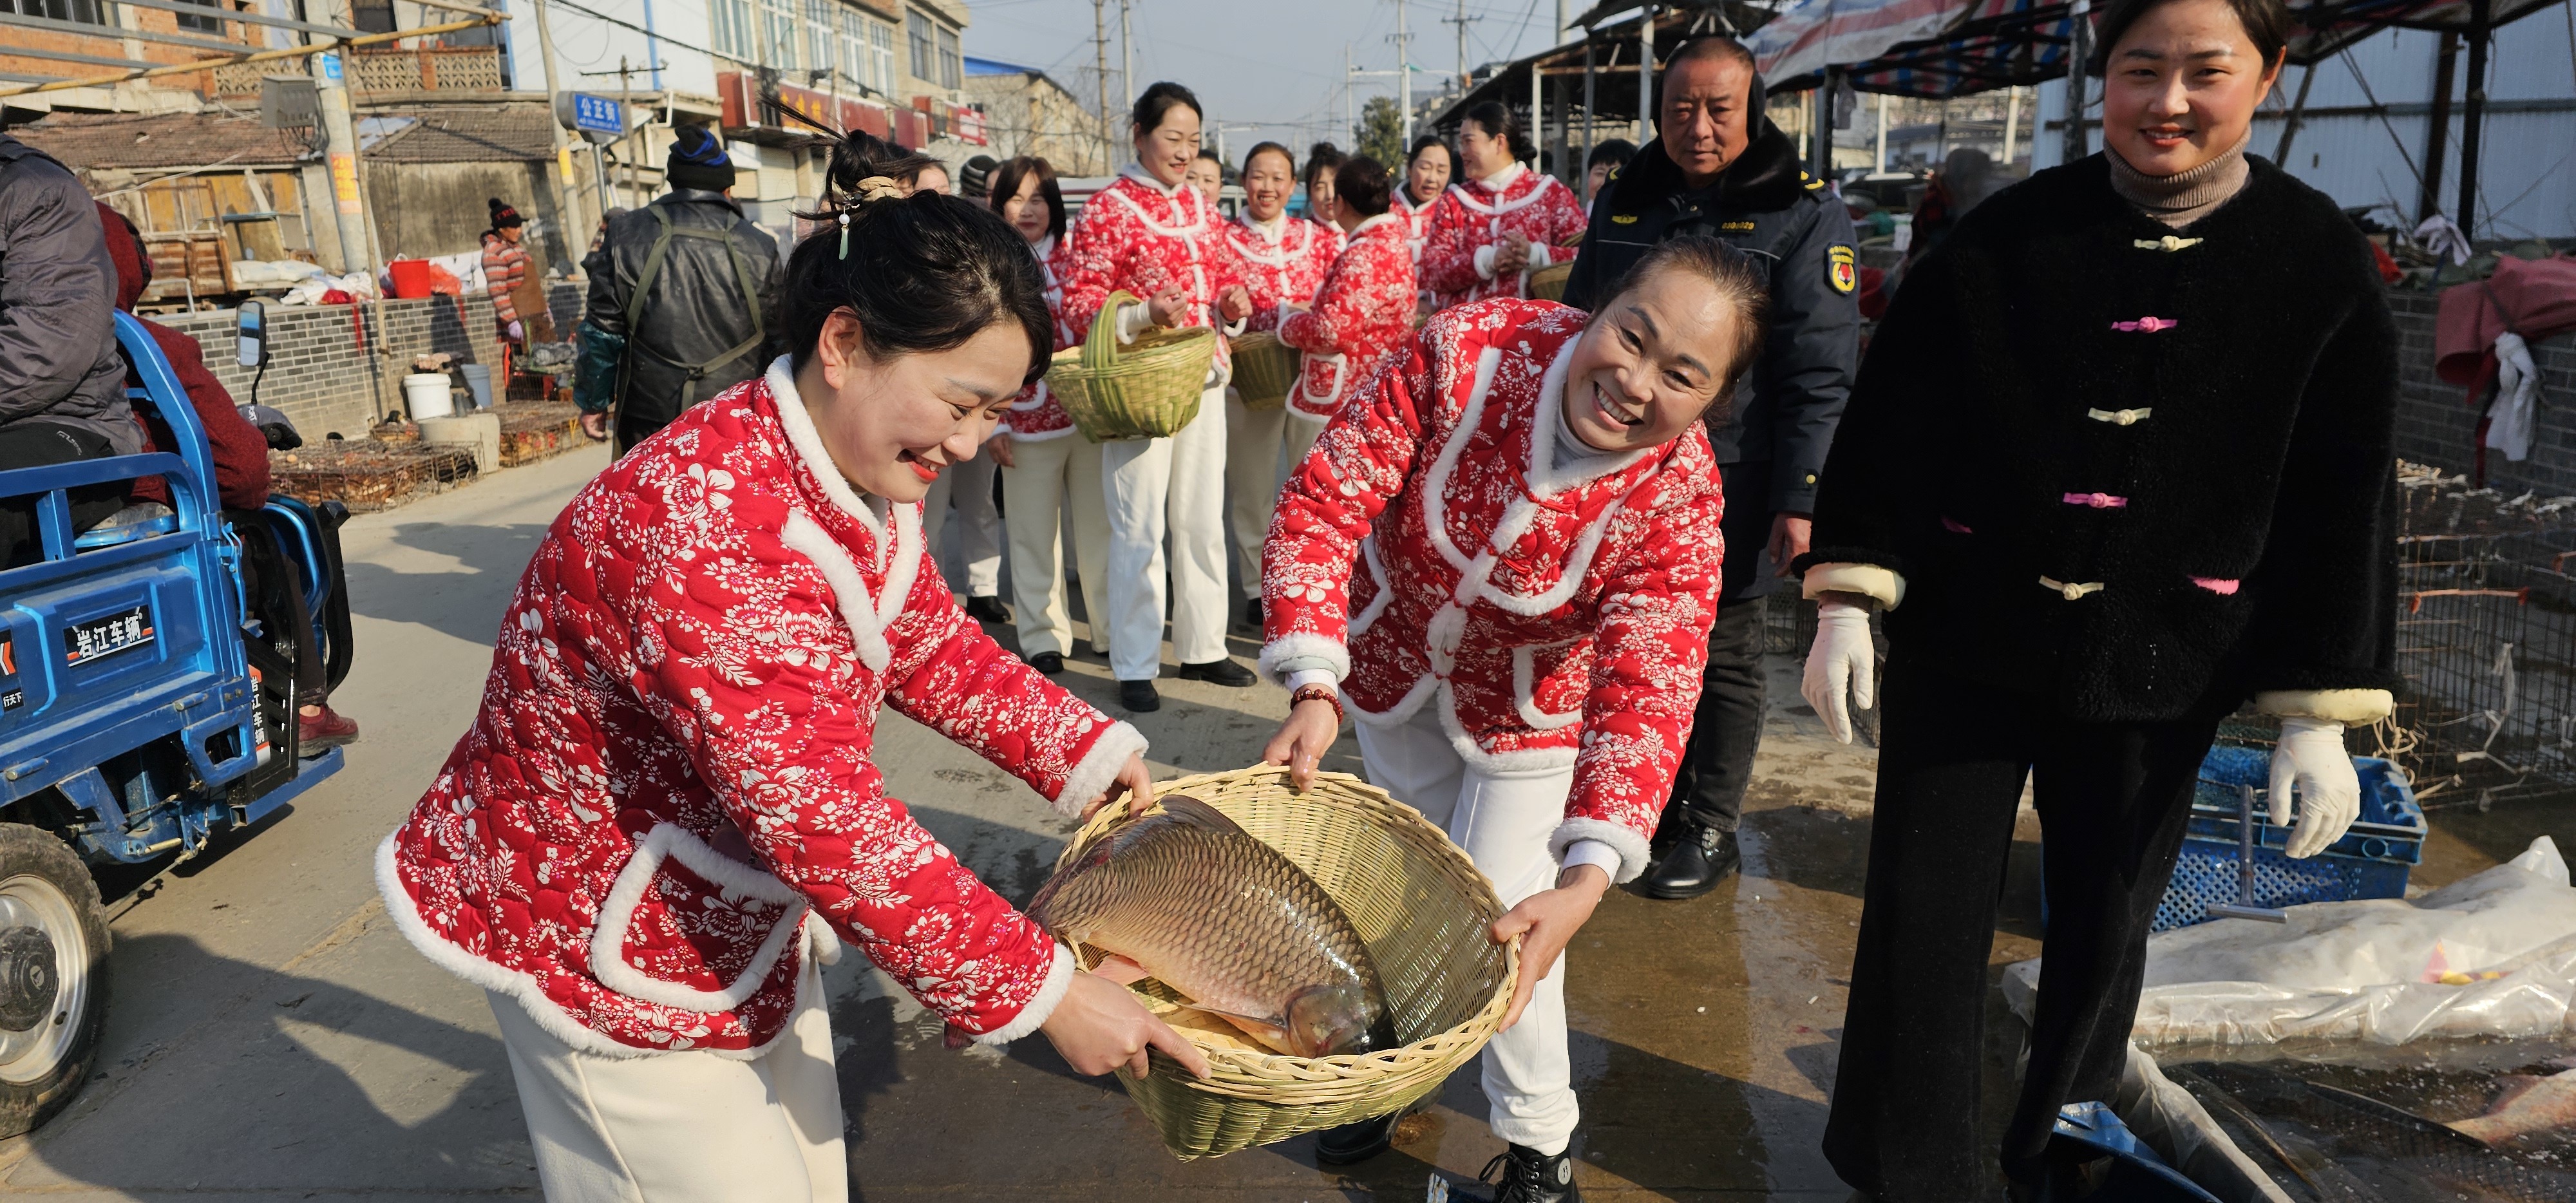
[(2119, 460)]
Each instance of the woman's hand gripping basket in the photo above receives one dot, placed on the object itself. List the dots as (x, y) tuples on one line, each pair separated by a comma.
[(1423, 911), (1265, 370), (1146, 389)]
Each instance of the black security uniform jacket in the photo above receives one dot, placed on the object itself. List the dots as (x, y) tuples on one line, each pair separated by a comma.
[(2256, 457), (1791, 229), (694, 306), (59, 361)]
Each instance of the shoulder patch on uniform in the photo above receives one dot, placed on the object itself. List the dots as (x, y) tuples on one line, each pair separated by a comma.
[(1623, 219), (1812, 182), (1841, 269), (1731, 226)]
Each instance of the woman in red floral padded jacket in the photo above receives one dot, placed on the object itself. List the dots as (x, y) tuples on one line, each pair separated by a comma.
[(668, 810), (1502, 555)]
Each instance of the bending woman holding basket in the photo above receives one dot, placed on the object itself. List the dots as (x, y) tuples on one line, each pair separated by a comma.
[(668, 809), (1363, 311), (1049, 471), (1502, 558), (1151, 235), (1284, 260), (1500, 221)]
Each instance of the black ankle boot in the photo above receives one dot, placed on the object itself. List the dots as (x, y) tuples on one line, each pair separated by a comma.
[(1221, 672), (1139, 697), (1529, 1176), (1354, 1143), (987, 609), (1700, 860)]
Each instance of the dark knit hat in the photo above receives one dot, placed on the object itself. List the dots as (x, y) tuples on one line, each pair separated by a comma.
[(698, 161), (503, 216)]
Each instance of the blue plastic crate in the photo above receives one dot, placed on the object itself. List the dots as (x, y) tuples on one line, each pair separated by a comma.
[(2371, 861)]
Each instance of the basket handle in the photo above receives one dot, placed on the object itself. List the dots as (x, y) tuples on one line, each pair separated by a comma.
[(1100, 347)]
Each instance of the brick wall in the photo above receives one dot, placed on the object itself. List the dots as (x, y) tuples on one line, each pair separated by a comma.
[(318, 374), (2436, 426)]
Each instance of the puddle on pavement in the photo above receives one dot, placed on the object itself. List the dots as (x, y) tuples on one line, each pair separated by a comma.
[(2344, 1122)]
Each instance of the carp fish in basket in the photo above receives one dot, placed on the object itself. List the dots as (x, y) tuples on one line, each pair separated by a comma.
[(1229, 922)]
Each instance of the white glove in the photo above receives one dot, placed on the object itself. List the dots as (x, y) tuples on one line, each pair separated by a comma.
[(516, 333), (1842, 667), (2311, 753)]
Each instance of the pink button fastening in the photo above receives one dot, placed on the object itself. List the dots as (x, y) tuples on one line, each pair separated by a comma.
[(2148, 325), (2099, 501)]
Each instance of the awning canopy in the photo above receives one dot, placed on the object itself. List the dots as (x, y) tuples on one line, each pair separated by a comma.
[(1942, 48)]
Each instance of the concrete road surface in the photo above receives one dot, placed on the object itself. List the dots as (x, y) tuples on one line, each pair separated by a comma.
[(273, 1038)]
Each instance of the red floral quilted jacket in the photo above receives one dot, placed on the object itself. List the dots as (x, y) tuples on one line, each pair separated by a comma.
[(1435, 552), (1363, 313), (1037, 413), (1469, 221), (669, 796)]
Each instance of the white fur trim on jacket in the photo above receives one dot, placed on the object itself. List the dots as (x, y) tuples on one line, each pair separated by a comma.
[(849, 589), (808, 446), (821, 940), (1630, 845), (626, 895), (1058, 980), (1525, 689), (1333, 652), (520, 988), (1099, 767), (2351, 707), (1526, 760), (1868, 580)]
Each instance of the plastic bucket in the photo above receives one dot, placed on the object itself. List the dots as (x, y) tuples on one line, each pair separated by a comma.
[(411, 277), (478, 381), (428, 395)]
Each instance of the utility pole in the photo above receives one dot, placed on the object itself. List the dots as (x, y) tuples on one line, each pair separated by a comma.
[(1126, 54), (1881, 168), (1461, 22), (1350, 111), (568, 196), (341, 150), (2012, 121), (1100, 75), (1403, 73)]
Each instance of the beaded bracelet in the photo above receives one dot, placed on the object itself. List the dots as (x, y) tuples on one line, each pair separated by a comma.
[(1319, 693)]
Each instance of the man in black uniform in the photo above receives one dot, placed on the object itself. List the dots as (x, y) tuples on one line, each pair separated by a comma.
[(679, 306), (1721, 168)]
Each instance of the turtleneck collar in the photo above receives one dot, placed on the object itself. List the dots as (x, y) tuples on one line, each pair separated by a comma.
[(1137, 172), (1042, 248), (1503, 179), (2184, 197), (1271, 230)]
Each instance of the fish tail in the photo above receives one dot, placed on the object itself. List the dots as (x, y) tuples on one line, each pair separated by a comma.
[(1199, 814)]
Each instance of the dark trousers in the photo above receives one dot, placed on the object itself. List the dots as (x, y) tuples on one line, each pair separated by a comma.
[(1726, 730), (41, 444), (2112, 798)]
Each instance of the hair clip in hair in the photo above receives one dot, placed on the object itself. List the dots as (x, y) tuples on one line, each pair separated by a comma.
[(845, 235)]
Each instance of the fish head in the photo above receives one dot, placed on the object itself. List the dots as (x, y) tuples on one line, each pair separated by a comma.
[(1328, 1021)]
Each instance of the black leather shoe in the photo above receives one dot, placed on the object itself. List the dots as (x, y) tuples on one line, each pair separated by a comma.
[(1049, 663), (1351, 1144), (1530, 1176), (1139, 696), (1700, 860), (1252, 615), (1220, 672), (987, 609)]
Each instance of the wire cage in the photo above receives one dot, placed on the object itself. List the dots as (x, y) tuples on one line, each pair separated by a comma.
[(2486, 642)]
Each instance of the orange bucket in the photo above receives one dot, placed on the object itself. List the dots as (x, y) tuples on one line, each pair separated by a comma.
[(411, 277)]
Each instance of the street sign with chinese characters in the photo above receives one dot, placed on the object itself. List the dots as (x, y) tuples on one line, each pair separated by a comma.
[(596, 117)]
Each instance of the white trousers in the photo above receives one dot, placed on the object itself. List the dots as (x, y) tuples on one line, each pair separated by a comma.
[(683, 1127), (1300, 436), (1055, 482), (1253, 441), (1172, 485), (979, 530), (1503, 820)]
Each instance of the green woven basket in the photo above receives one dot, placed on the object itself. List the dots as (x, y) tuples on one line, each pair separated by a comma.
[(1146, 389), (1265, 369), (1419, 904)]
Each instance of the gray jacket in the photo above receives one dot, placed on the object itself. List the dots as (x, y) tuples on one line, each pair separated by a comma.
[(58, 356), (693, 310)]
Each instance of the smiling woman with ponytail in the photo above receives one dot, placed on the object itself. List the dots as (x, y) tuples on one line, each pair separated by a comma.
[(668, 810)]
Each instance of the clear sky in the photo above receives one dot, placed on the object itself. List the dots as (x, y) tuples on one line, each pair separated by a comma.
[(1274, 64)]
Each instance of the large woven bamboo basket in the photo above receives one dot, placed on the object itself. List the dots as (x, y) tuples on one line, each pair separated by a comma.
[(1144, 390), (1265, 369), (1421, 907), (1548, 283)]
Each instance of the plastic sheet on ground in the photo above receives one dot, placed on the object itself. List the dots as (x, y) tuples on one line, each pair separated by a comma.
[(2181, 1131), (2492, 955)]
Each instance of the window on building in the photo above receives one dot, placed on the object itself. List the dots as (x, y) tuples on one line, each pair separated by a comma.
[(734, 32), (366, 16), (822, 35), (952, 70), (779, 26), (917, 27), (190, 21), (881, 56), (85, 12)]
